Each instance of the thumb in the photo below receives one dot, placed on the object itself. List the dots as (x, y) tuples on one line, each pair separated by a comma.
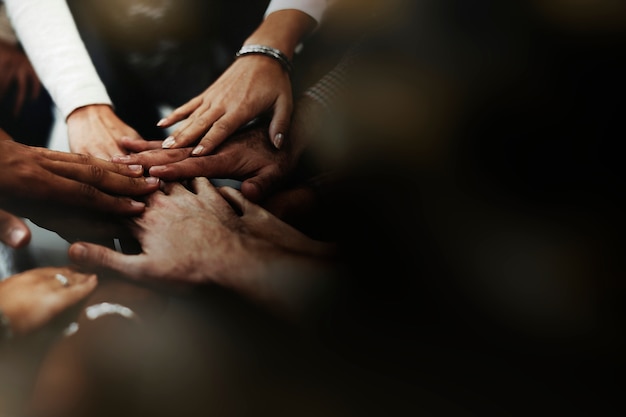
[(13, 231), (96, 256), (281, 120), (259, 186)]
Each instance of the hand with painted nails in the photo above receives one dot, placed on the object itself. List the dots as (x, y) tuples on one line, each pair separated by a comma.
[(39, 174), (254, 85), (96, 130), (246, 156), (32, 298)]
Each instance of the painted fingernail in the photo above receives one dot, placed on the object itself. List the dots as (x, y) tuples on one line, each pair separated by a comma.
[(16, 236), (278, 140), (152, 180), (168, 142), (161, 122), (197, 150), (135, 167)]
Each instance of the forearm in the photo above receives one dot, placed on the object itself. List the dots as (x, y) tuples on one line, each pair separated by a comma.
[(51, 40), (283, 30)]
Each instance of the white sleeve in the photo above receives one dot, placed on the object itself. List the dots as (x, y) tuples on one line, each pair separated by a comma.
[(47, 31), (314, 8)]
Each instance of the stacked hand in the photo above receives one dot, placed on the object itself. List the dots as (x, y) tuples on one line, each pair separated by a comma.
[(33, 298)]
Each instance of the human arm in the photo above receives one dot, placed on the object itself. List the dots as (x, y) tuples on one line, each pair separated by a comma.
[(32, 298), (218, 247), (251, 86), (51, 40)]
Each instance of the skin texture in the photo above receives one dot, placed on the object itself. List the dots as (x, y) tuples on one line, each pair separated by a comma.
[(219, 246), (96, 130), (13, 231), (246, 156), (32, 298), (79, 180), (251, 86), (15, 69)]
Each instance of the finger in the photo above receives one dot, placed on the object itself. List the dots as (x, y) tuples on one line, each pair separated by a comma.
[(88, 196), (104, 180), (154, 157), (260, 186), (13, 231), (128, 170), (174, 188), (202, 186), (90, 255), (281, 120), (192, 129), (180, 113), (234, 198), (218, 132), (212, 166), (82, 285), (140, 145)]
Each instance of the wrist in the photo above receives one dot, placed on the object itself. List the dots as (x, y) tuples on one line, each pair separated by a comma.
[(88, 111), (283, 30)]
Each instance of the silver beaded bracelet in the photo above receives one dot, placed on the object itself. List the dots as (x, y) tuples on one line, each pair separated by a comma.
[(6, 332), (267, 51)]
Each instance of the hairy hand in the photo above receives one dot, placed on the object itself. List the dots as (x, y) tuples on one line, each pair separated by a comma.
[(247, 157), (190, 236), (33, 298)]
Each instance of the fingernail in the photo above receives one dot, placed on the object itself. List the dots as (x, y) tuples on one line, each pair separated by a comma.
[(79, 251), (135, 167), (152, 180), (197, 150), (137, 204), (278, 140), (161, 122), (16, 236), (168, 142)]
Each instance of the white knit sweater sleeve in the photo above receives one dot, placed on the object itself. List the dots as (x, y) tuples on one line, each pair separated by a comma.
[(314, 8), (51, 40)]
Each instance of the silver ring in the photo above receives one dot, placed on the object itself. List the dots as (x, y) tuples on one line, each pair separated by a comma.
[(62, 279)]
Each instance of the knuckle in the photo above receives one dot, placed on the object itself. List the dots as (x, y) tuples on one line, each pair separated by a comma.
[(87, 192), (83, 159), (96, 173)]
